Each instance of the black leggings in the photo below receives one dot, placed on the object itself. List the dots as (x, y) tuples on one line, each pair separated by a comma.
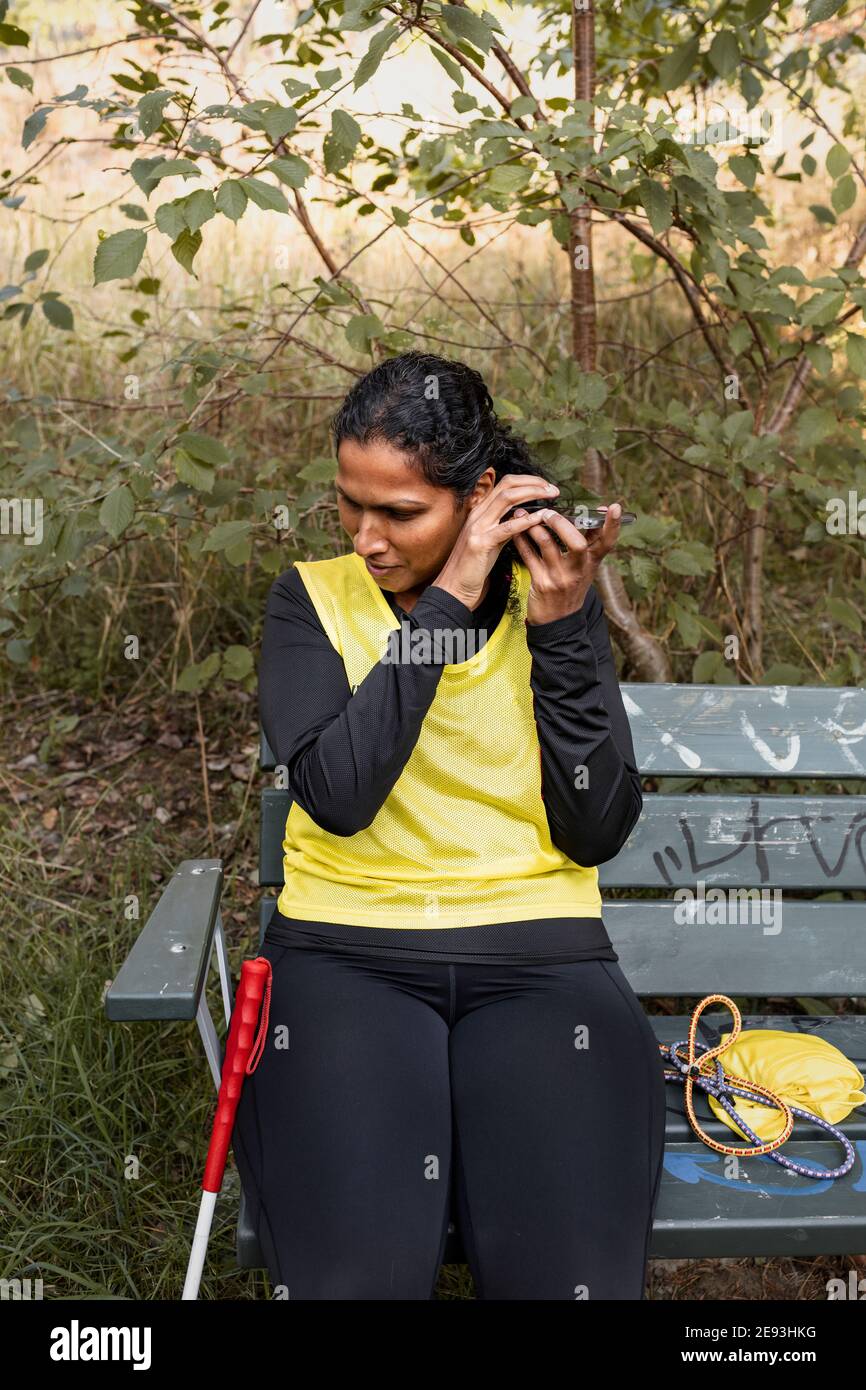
[(538, 1090)]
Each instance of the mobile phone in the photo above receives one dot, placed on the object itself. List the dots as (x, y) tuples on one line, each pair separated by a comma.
[(588, 519), (594, 518)]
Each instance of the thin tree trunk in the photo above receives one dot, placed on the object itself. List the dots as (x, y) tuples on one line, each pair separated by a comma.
[(753, 553), (645, 655)]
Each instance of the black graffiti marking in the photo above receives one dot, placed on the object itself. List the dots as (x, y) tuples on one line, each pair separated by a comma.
[(753, 835)]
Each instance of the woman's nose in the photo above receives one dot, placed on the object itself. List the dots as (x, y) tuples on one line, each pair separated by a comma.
[(366, 536)]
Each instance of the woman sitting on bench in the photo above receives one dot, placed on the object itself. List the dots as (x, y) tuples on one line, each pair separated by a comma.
[(447, 1011)]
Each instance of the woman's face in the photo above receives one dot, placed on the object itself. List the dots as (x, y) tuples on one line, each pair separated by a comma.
[(398, 521)]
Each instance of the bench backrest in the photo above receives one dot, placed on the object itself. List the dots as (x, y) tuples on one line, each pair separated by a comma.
[(693, 846)]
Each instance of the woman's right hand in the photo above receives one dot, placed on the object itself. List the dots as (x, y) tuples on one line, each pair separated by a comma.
[(483, 535)]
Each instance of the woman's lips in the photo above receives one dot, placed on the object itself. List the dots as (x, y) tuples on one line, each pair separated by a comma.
[(379, 569)]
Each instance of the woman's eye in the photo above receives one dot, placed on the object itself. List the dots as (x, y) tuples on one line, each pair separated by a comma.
[(395, 516)]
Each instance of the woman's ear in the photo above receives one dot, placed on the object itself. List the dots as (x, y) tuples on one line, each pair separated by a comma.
[(483, 486)]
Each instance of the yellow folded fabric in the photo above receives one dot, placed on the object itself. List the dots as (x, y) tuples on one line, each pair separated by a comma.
[(802, 1069)]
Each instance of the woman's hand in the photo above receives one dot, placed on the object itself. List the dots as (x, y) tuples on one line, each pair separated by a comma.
[(560, 582), (483, 535)]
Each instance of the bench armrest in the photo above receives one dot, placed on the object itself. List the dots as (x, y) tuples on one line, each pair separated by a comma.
[(164, 974)]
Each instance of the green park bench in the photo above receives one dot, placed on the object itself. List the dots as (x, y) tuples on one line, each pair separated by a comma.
[(811, 848)]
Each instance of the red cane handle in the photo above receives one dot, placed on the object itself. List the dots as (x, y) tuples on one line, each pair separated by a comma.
[(254, 977)]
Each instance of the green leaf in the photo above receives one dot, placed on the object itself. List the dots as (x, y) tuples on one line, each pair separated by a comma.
[(226, 533), (782, 673), (466, 25), (737, 426), (689, 627), (19, 78), (171, 168), (117, 511), (819, 10), (185, 248), (134, 212), (590, 392), (33, 126), (58, 314), (705, 667), (658, 204), (12, 36), (362, 329), (509, 178), (345, 128), (838, 160), (197, 675), (724, 52), (202, 447), (379, 45), (822, 214), (751, 87), (678, 65), (822, 308), (841, 611), (680, 561), (341, 141), (118, 256), (290, 169), (150, 110), (855, 351), (193, 473), (142, 173), (645, 570), (454, 70), (279, 122), (237, 663), (264, 195), (18, 651), (820, 357), (744, 167), (36, 259), (844, 193), (231, 200), (170, 219), (320, 470), (197, 208), (814, 425)]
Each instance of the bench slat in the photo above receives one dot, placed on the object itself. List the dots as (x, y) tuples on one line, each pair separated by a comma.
[(164, 974), (802, 842), (739, 730), (747, 731), (810, 843), (819, 951), (767, 1210)]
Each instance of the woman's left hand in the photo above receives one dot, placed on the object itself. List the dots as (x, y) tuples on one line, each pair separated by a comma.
[(560, 582)]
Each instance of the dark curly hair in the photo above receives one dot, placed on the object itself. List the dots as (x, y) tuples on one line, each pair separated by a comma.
[(441, 414)]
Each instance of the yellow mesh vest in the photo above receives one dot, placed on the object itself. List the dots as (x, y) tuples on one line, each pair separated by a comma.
[(462, 839)]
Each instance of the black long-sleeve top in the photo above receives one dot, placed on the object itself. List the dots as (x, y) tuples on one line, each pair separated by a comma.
[(344, 752)]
